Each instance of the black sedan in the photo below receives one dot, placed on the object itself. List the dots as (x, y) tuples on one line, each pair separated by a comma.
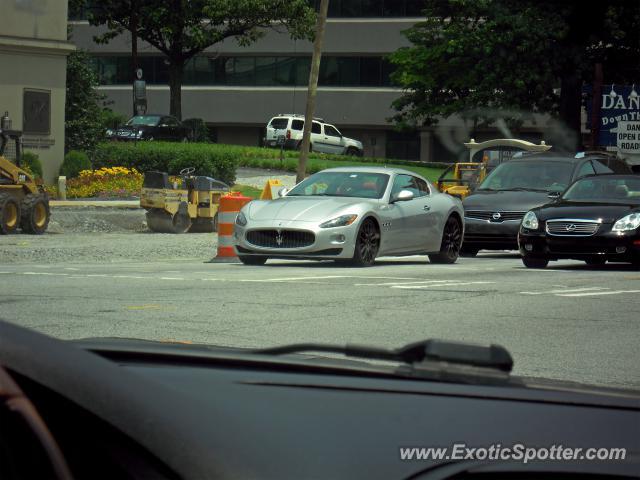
[(596, 220), (151, 127)]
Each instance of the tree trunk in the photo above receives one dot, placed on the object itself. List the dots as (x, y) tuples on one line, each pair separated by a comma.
[(176, 69), (311, 94), (570, 102)]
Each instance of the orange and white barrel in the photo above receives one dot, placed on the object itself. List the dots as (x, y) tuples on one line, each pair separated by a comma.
[(228, 210)]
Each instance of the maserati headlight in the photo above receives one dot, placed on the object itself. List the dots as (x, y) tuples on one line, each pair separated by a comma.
[(241, 219), (530, 221), (341, 221), (625, 224)]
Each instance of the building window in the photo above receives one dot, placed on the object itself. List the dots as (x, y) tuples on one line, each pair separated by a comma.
[(403, 145), (260, 71), (36, 111)]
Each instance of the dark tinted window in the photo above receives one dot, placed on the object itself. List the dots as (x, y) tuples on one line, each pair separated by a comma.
[(330, 131), (585, 169), (601, 167), (535, 175), (605, 189), (315, 128), (423, 187), (297, 125), (279, 123)]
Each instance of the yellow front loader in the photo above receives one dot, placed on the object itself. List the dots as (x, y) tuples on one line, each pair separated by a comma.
[(24, 203), (188, 205)]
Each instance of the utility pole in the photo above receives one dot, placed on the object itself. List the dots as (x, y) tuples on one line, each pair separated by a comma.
[(313, 88), (596, 105), (134, 45)]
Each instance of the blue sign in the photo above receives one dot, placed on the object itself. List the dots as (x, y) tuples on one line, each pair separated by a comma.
[(619, 103)]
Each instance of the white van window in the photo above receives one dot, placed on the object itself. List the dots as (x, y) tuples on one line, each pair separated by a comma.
[(279, 123)]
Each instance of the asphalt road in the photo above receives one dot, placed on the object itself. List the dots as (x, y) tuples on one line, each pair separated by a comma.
[(568, 321)]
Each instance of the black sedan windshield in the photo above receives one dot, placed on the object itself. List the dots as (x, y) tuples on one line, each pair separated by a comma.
[(534, 175), (147, 120), (605, 189), (343, 184)]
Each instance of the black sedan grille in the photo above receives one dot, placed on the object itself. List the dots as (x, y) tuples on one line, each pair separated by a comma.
[(495, 216), (572, 228), (281, 238)]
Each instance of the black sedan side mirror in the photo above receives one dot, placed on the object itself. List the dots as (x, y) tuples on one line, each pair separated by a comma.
[(553, 195)]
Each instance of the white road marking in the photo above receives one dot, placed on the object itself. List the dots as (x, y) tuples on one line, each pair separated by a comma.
[(129, 276), (563, 290), (417, 287), (46, 273), (610, 292), (387, 284), (171, 278)]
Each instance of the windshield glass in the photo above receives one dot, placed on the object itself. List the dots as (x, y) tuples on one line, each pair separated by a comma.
[(434, 128), (146, 120), (533, 175), (343, 184), (605, 189)]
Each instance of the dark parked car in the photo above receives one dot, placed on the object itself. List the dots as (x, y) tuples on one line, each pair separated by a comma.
[(494, 211), (595, 220), (151, 127)]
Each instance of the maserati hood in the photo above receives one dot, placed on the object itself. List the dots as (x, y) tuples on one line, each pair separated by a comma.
[(306, 209)]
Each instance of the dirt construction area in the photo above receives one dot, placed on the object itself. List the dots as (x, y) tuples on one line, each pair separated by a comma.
[(101, 235)]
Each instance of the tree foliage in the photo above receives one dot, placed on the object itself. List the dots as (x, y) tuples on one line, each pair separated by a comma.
[(181, 29), (478, 56), (83, 126)]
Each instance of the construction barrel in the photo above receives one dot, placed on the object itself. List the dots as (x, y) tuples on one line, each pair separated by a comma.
[(228, 210)]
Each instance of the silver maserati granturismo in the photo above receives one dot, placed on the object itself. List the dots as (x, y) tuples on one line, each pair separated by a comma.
[(352, 215)]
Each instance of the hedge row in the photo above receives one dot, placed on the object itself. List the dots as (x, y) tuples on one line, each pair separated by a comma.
[(220, 161), (169, 157)]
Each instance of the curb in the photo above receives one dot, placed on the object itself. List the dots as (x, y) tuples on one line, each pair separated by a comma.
[(119, 204)]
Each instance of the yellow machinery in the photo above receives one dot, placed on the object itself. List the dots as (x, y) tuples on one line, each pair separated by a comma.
[(191, 206), (24, 203), (461, 178)]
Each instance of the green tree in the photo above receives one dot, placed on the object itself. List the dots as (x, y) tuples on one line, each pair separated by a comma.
[(83, 125), (181, 29), (474, 57)]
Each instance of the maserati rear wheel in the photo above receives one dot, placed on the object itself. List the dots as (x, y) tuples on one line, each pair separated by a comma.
[(451, 243)]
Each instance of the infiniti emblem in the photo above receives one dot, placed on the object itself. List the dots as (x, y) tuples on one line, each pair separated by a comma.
[(570, 228), (496, 216), (279, 237)]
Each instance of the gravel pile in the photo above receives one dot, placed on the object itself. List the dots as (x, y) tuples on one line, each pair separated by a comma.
[(258, 177)]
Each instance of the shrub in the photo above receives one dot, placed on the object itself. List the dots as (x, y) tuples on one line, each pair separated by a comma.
[(74, 162), (105, 182), (167, 157), (32, 164)]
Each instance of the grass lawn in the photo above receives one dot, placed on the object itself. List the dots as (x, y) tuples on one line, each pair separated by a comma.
[(247, 190), (430, 173)]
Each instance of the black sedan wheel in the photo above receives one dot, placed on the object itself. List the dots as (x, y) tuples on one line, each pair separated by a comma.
[(451, 242), (535, 262), (367, 244)]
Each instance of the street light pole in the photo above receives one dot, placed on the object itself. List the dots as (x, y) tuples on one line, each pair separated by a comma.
[(313, 87)]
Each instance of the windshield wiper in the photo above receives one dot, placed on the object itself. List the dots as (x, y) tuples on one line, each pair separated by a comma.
[(494, 357)]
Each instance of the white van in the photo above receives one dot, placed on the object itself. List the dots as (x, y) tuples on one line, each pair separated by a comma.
[(286, 129)]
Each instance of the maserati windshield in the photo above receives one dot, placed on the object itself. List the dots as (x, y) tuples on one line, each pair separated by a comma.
[(343, 184)]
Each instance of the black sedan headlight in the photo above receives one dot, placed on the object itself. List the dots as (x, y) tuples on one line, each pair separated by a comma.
[(627, 224), (530, 221)]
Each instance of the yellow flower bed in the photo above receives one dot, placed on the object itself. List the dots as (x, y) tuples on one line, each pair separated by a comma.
[(106, 182)]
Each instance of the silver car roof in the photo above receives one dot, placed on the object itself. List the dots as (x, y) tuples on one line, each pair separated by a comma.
[(385, 170)]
